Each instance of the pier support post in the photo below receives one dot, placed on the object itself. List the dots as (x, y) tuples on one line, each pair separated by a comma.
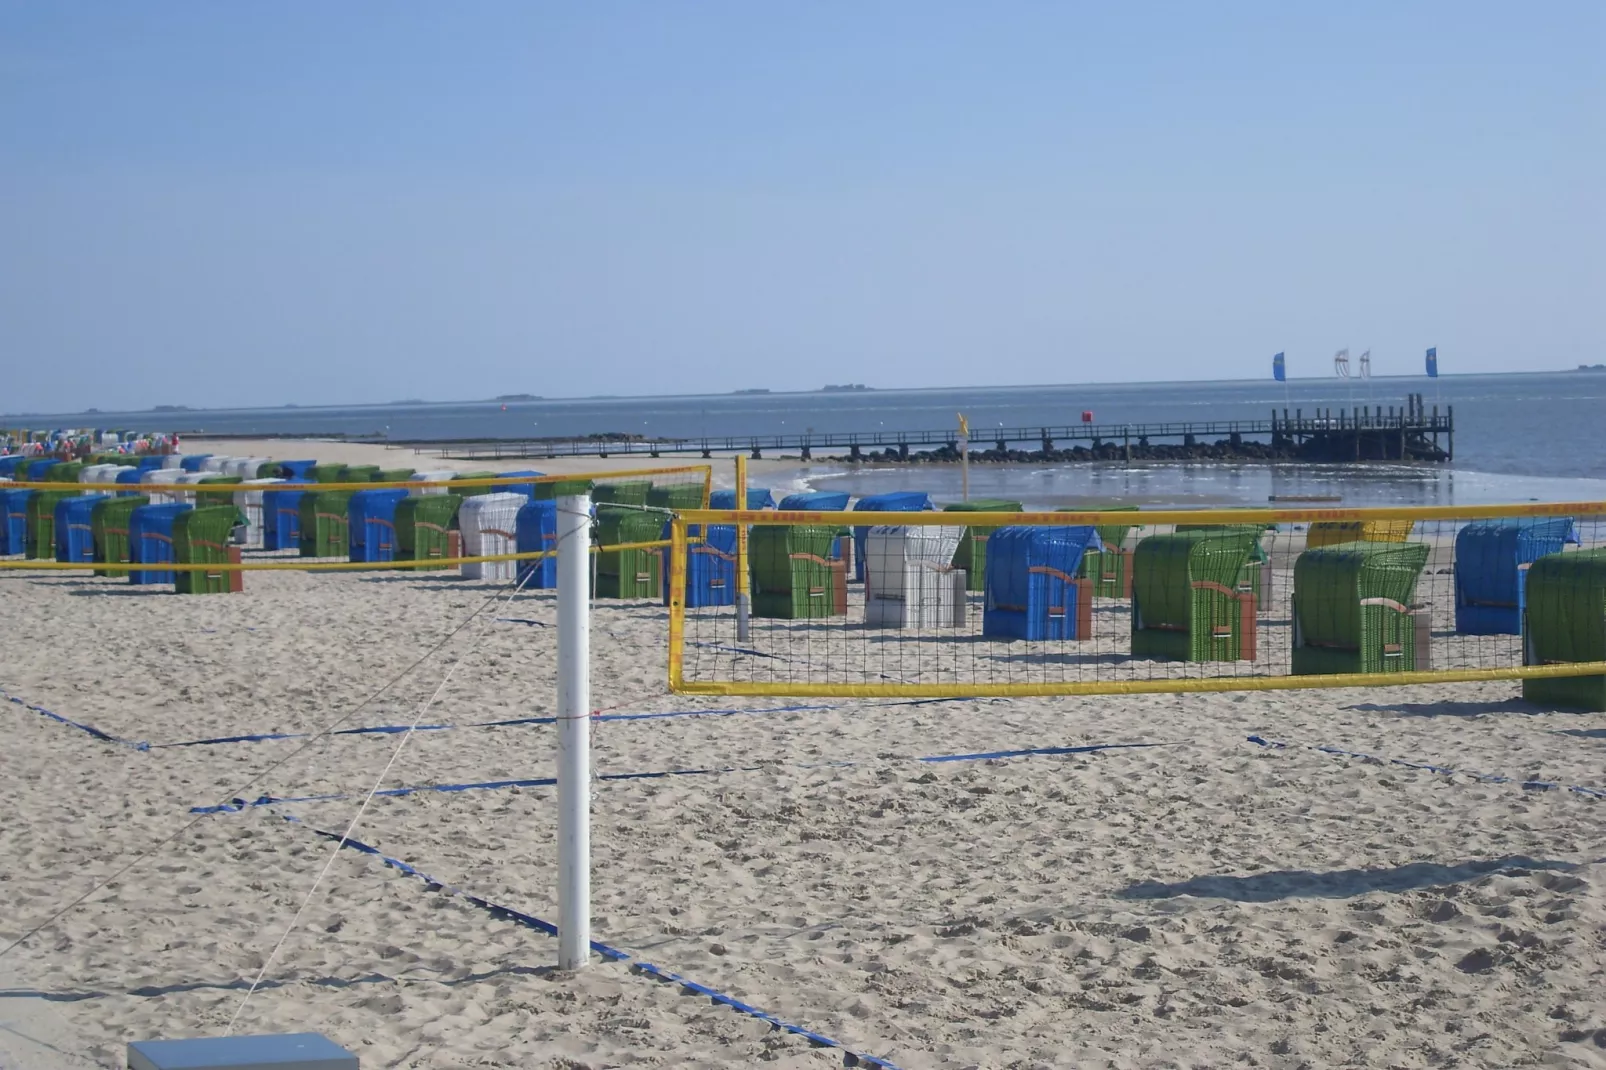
[(853, 453), (804, 454), (903, 451)]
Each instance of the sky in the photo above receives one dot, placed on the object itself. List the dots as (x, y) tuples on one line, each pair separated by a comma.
[(233, 204)]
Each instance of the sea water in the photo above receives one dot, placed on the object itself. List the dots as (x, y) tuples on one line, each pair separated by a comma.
[(1519, 437)]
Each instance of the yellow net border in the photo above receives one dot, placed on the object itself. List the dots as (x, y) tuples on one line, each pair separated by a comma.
[(679, 542)]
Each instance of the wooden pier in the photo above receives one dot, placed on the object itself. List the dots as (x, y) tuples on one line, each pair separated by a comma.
[(1378, 433)]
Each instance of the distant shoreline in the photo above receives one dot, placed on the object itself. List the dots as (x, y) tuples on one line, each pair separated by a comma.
[(124, 416)]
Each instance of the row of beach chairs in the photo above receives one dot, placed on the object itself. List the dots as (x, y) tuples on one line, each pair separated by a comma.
[(1195, 593)]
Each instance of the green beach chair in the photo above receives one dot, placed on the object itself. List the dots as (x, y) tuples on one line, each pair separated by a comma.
[(1187, 602), (629, 573), (42, 523), (108, 524), (324, 526), (972, 553), (793, 574), (1109, 570), (469, 492), (201, 537), (623, 492), (1353, 609), (424, 527), (676, 496), (1565, 621)]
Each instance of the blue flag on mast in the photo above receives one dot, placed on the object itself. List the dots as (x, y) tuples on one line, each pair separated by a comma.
[(1278, 371), (1433, 363)]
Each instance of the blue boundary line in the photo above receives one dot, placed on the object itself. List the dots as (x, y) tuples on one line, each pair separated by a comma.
[(1427, 767), (386, 729), (850, 1056), (393, 729), (234, 806), (104, 737)]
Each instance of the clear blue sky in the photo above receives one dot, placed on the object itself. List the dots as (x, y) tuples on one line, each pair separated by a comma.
[(233, 204)]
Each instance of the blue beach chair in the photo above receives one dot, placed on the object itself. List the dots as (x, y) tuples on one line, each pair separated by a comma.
[(892, 501), (75, 539), (281, 515), (371, 523), (1034, 590), (757, 498), (150, 542), (536, 529), (1491, 569)]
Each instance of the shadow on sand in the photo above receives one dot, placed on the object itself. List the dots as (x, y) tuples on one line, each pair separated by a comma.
[(1335, 884), (1451, 708)]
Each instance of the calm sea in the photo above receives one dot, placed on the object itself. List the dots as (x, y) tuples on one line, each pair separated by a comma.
[(1535, 436)]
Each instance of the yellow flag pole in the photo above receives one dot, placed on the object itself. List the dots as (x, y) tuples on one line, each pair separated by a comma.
[(744, 601), (964, 458)]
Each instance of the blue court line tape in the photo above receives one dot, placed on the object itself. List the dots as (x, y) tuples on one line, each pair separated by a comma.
[(260, 737), (1037, 752), (850, 1056), (1428, 767), (393, 729), (234, 806), (522, 620), (104, 737)]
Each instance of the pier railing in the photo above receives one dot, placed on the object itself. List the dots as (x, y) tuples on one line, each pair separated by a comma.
[(1363, 431)]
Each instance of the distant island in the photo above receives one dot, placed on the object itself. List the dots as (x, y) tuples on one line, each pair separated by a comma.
[(517, 397), (1592, 367), (831, 388), (752, 390), (411, 401), (170, 408)]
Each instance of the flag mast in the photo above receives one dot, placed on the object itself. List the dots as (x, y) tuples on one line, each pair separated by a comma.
[(964, 458)]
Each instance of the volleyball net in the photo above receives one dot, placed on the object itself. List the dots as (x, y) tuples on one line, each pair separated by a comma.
[(958, 604), (489, 524)]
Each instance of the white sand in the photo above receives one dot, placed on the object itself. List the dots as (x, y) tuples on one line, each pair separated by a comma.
[(760, 472), (1205, 903)]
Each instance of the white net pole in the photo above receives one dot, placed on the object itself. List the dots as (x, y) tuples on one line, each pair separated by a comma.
[(574, 731)]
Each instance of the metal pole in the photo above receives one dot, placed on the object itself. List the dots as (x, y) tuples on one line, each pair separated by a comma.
[(744, 595), (964, 468), (574, 731)]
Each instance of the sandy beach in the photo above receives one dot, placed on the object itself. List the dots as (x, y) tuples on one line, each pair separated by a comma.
[(1201, 901), (780, 473)]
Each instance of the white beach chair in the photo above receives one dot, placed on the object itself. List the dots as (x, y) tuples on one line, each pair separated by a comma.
[(109, 474), (489, 523), (188, 496), (163, 478), (94, 473), (433, 474), (249, 502), (910, 581)]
